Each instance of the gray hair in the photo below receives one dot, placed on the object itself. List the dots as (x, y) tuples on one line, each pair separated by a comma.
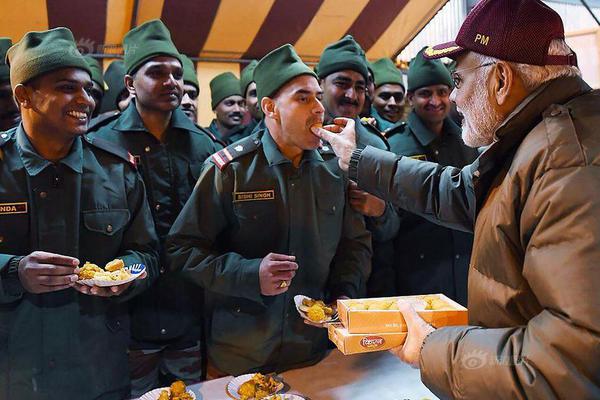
[(534, 76)]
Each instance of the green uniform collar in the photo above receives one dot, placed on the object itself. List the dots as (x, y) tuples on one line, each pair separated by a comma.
[(275, 157), (34, 163), (382, 123), (130, 120), (424, 135)]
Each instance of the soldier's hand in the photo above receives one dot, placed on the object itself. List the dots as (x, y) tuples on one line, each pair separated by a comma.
[(108, 291), (42, 272), (341, 137), (276, 273), (365, 203)]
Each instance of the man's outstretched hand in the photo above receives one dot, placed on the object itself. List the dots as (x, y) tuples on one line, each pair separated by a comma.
[(341, 136)]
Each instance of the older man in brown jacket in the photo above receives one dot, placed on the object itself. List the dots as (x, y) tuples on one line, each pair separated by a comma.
[(533, 201)]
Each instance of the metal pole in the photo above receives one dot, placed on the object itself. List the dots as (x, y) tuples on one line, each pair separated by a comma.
[(590, 11)]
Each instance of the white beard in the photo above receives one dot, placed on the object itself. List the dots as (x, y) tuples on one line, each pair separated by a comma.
[(480, 120)]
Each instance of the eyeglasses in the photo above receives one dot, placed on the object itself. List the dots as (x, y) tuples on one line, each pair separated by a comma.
[(458, 80)]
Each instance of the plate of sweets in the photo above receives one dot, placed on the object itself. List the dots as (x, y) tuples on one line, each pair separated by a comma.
[(253, 387), (114, 273), (177, 391), (315, 310)]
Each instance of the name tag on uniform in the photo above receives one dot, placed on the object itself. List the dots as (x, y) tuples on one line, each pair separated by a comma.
[(421, 157), (254, 196), (13, 208)]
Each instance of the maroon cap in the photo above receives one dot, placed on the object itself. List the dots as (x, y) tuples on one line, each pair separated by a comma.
[(511, 30)]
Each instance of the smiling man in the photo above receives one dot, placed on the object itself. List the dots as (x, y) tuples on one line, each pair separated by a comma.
[(229, 107), (389, 95), (169, 151), (191, 89), (65, 199), (268, 220), (9, 112), (531, 199)]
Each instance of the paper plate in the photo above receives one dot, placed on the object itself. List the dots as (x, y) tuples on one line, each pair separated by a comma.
[(135, 269), (153, 394), (234, 384), (284, 397), (300, 307)]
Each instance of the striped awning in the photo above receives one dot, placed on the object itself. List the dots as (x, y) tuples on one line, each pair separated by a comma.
[(223, 30)]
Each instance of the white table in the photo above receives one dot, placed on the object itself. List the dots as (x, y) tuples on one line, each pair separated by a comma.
[(369, 376)]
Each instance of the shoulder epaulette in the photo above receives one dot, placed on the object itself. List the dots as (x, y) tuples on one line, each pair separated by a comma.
[(103, 119), (392, 130), (369, 120), (111, 148), (243, 146)]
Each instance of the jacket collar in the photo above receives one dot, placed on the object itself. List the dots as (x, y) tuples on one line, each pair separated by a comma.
[(275, 157), (130, 120), (526, 116), (382, 123), (424, 135), (34, 163)]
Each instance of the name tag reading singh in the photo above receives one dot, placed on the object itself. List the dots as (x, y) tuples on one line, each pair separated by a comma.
[(254, 196), (13, 208)]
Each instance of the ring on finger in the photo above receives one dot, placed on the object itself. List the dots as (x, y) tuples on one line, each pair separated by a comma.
[(283, 284)]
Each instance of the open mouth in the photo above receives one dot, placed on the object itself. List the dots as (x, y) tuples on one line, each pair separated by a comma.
[(79, 115)]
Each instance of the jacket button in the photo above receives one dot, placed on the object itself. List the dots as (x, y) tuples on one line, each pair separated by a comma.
[(421, 256), (555, 113), (157, 207), (457, 256), (476, 173), (109, 228), (1, 239), (163, 331), (162, 270), (238, 310), (118, 324), (4, 136), (147, 149), (333, 208), (51, 363), (43, 195)]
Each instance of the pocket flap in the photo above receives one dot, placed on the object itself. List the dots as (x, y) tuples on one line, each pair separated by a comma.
[(107, 222)]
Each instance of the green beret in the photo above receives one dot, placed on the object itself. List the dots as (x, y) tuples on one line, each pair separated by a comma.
[(115, 80), (341, 55), (423, 72), (96, 71), (247, 76), (385, 71), (189, 72), (151, 39), (40, 52), (278, 68), (223, 86), (5, 44)]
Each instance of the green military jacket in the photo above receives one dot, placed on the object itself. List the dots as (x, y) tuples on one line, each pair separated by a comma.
[(429, 258), (170, 169), (251, 201), (90, 205), (240, 133), (383, 124)]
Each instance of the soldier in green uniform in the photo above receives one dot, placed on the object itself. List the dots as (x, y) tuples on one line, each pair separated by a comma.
[(388, 100), (117, 97), (191, 89), (9, 113), (343, 74), (229, 107), (430, 258), (268, 220), (248, 88), (64, 199), (98, 84), (343, 71), (169, 151)]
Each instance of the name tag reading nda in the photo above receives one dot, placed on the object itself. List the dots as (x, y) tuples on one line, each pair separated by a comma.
[(254, 196), (13, 208)]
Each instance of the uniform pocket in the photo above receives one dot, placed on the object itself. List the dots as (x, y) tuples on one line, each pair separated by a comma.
[(330, 208), (108, 222)]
